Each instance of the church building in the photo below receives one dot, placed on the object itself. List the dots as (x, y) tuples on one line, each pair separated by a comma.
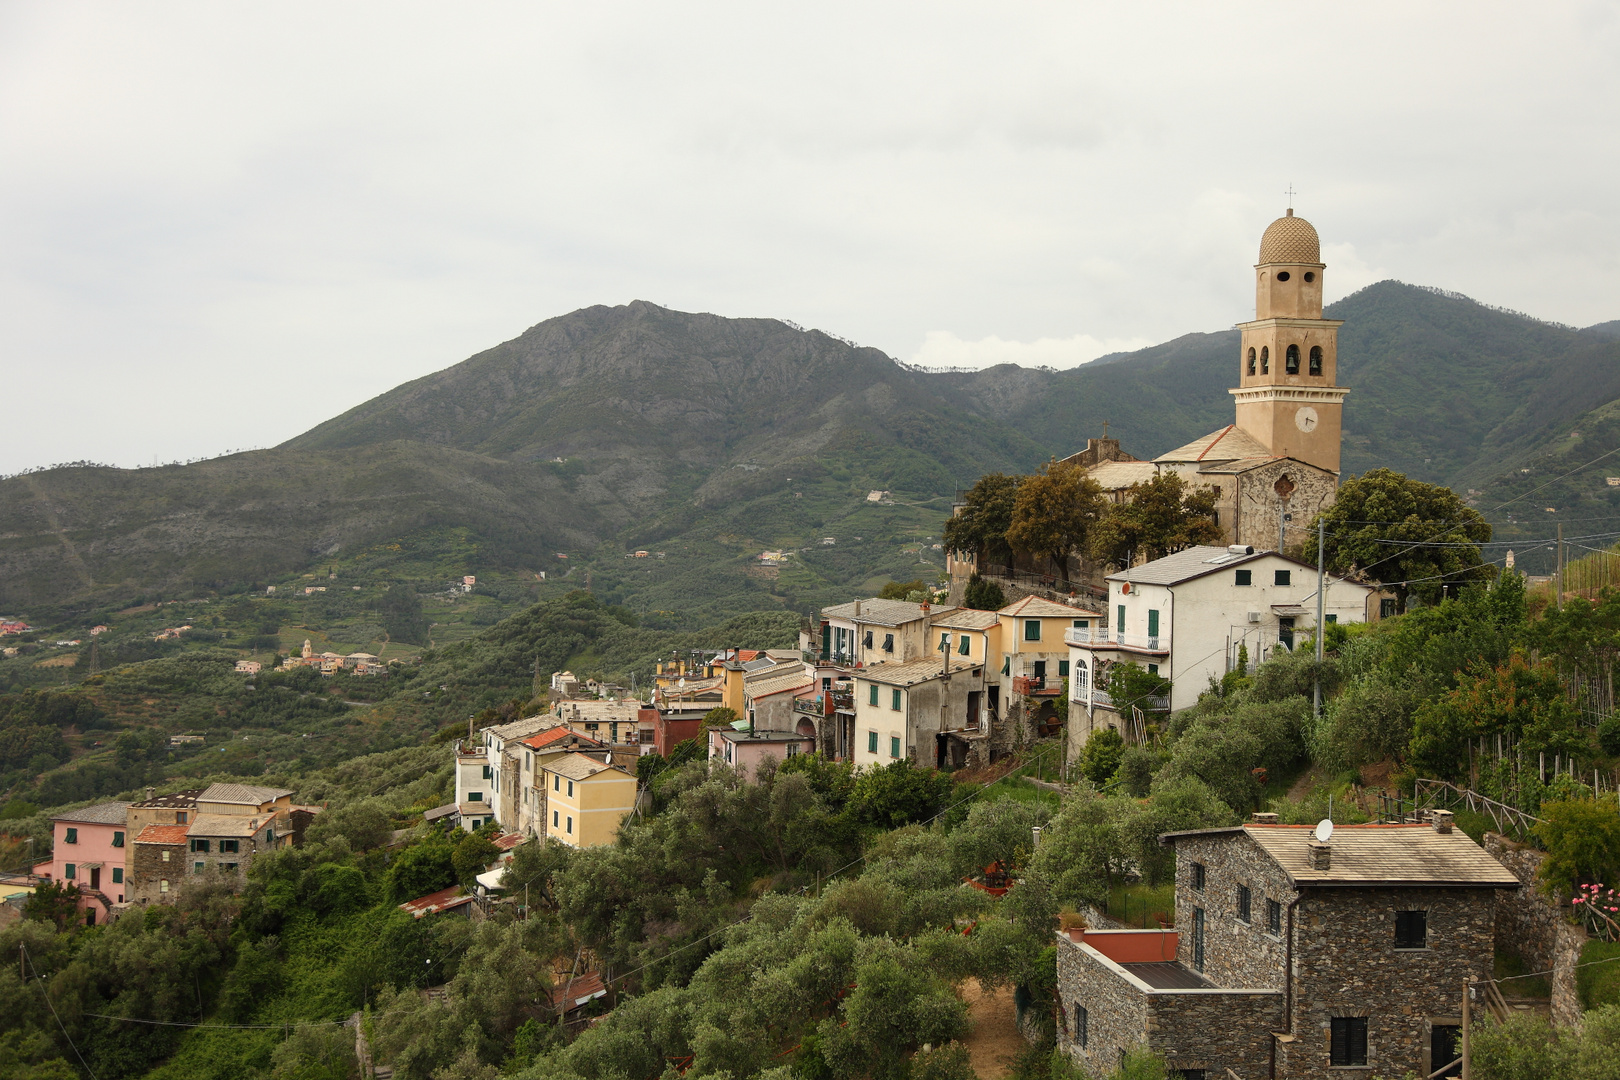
[(1277, 464)]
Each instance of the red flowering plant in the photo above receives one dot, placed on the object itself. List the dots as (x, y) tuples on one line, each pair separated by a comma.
[(1598, 909)]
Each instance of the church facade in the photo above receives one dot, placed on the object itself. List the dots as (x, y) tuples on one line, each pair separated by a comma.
[(1277, 464)]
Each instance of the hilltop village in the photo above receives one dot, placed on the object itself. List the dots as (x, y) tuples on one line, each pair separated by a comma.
[(1272, 947)]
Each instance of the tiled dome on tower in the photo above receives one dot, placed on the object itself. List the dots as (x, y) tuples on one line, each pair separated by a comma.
[(1290, 240)]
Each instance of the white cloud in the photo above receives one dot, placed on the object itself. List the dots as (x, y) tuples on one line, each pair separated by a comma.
[(943, 349)]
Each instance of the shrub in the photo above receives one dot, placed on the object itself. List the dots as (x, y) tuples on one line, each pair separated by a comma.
[(1101, 757), (1582, 838)]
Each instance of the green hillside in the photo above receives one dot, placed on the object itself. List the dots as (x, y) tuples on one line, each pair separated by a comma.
[(608, 430)]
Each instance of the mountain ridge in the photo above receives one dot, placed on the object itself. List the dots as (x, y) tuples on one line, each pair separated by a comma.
[(635, 424)]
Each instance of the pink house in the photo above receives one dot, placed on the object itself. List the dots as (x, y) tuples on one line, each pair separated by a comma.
[(88, 850), (745, 750)]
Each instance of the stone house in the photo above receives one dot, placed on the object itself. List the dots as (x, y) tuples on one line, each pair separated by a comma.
[(537, 749), (1292, 957), (157, 862), (175, 808), (227, 843)]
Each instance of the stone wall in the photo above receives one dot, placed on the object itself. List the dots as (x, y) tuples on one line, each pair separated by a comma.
[(1235, 953), (1215, 1030), (1346, 964), (1206, 1029), (150, 864), (1536, 930), (1116, 1012)]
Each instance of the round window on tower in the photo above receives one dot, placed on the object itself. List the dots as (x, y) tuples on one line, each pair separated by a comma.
[(1282, 275), (1310, 275)]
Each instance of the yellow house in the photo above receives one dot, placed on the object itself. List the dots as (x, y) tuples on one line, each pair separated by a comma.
[(586, 799), (970, 636), (1032, 643)]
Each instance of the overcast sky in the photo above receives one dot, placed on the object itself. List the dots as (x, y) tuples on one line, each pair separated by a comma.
[(223, 223)]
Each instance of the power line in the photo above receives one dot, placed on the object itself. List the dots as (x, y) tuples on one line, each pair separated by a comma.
[(1500, 506), (40, 982)]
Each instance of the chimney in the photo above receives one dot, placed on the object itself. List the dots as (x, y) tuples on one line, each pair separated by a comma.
[(1441, 820), (1321, 855), (857, 609), (1258, 818), (150, 792)]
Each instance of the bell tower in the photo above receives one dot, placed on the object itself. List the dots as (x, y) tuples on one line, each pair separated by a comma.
[(1286, 397)]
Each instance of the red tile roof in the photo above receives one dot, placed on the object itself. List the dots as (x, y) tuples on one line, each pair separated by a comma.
[(576, 992), (509, 841), (163, 834), (432, 903), (551, 735)]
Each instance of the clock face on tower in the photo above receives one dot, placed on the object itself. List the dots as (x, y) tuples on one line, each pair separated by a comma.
[(1305, 418)]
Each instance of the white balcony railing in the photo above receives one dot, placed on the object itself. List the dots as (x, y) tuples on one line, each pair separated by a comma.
[(1084, 635)]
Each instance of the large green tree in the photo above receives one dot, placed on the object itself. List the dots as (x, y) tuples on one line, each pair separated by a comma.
[(1163, 516), (1055, 511), (1414, 538), (980, 527)]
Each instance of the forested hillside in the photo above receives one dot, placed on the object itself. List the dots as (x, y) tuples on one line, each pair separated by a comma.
[(810, 922)]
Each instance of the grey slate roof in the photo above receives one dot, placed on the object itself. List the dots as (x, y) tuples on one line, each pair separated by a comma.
[(241, 793), (175, 799), (107, 813), (1227, 444), (1036, 607), (578, 766), (880, 612), (760, 736), (1185, 565), (967, 619), (913, 672), (237, 825), (1375, 855)]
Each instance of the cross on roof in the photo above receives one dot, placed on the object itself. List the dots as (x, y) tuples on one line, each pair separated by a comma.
[(1290, 193)]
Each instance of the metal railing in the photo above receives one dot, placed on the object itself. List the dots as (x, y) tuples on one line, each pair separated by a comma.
[(1156, 703), (1101, 635)]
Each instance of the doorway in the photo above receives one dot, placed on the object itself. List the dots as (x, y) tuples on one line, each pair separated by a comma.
[(1443, 1040), (95, 878)]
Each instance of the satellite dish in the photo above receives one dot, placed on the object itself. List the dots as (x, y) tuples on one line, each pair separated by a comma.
[(1324, 830)]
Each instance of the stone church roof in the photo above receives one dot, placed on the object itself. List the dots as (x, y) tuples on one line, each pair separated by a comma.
[(1290, 239), (1226, 444)]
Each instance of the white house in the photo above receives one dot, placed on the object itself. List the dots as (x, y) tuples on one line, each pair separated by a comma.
[(1188, 616)]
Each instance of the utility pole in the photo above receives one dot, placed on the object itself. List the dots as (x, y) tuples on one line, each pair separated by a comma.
[(1321, 628), (1558, 575), (1467, 1062)]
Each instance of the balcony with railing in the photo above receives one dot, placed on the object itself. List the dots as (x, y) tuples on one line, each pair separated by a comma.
[(1156, 703), (1085, 635)]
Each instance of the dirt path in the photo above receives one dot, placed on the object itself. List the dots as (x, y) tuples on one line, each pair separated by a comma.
[(995, 1041), (1307, 780)]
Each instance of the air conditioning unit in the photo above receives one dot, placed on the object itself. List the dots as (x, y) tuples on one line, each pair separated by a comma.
[(1254, 616)]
